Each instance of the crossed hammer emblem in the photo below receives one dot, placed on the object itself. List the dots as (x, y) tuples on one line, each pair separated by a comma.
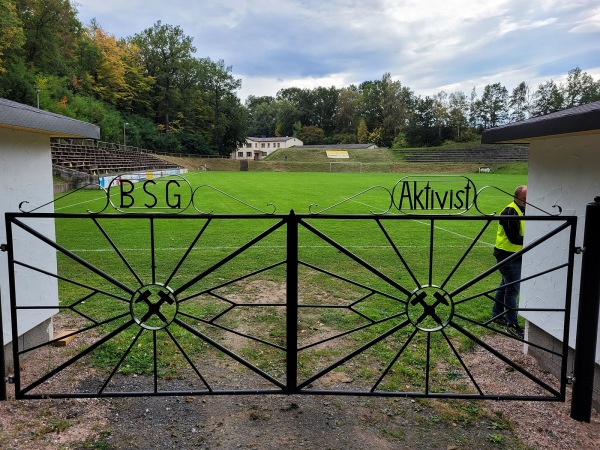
[(154, 308), (429, 310)]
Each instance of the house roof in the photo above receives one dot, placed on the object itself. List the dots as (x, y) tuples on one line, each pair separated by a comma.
[(341, 146), (18, 116), (583, 119), (271, 139)]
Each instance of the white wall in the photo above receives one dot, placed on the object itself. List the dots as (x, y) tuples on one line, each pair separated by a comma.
[(26, 175), (563, 171), (269, 147)]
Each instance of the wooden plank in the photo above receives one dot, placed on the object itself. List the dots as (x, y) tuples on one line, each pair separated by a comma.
[(63, 341)]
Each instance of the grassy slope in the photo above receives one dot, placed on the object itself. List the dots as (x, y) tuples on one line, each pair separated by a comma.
[(316, 160)]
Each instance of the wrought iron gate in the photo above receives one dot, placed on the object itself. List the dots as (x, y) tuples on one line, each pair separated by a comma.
[(196, 304)]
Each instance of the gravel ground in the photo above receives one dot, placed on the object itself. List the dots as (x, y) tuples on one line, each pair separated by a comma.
[(276, 421), (310, 422)]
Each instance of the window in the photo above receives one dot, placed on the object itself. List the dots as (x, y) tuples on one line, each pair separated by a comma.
[(269, 145), (249, 145), (249, 154), (262, 145), (240, 154), (278, 145)]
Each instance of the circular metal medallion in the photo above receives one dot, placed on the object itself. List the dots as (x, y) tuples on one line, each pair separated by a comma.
[(430, 308), (153, 306)]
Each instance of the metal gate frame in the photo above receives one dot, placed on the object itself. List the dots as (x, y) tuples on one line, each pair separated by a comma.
[(423, 295)]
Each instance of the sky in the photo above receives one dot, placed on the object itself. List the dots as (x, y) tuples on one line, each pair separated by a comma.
[(427, 45)]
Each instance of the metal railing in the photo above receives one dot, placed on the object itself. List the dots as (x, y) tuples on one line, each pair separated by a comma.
[(336, 313)]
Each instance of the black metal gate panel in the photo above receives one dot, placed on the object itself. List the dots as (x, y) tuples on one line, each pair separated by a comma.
[(198, 304)]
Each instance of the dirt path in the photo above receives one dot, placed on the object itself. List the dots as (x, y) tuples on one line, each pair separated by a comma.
[(274, 422), (309, 422)]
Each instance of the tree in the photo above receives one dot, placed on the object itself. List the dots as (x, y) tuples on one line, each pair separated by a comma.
[(287, 117), (346, 110), (363, 132), (474, 107), (458, 108), (11, 33), (51, 31), (233, 124), (421, 130), (107, 80), (219, 86), (519, 102), (262, 116), (440, 112), (397, 102), (165, 52), (580, 88), (548, 98), (399, 141), (493, 109), (385, 104), (324, 101), (302, 101), (263, 120), (312, 135), (252, 101)]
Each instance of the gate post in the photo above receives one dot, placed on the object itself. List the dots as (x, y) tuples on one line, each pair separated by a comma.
[(291, 290), (3, 374), (587, 316), (2, 357)]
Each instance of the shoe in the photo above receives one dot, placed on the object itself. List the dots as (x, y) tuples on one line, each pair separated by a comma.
[(515, 330), (500, 320)]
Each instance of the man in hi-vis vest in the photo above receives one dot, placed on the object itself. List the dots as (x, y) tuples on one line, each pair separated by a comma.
[(509, 239)]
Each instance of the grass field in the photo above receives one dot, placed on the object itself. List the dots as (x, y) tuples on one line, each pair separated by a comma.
[(293, 190), (356, 280)]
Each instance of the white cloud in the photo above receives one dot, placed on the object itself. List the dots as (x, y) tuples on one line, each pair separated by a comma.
[(589, 24), (427, 45)]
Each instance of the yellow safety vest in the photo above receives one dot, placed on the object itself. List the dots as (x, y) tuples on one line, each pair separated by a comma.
[(502, 241)]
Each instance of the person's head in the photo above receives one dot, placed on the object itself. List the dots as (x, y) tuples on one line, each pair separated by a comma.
[(521, 195)]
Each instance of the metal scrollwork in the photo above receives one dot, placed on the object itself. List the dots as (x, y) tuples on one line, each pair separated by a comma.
[(511, 195), (208, 186), (87, 186), (349, 199)]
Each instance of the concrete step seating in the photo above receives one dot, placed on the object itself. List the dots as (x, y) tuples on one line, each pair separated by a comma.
[(96, 160), (486, 154)]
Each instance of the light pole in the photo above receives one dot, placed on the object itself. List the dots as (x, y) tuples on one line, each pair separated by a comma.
[(124, 136), (38, 98)]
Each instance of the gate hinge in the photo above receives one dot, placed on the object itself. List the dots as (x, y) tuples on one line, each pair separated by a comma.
[(10, 379), (579, 250), (3, 247), (570, 379)]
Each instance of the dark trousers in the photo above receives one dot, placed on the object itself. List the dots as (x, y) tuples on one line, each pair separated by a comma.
[(507, 294)]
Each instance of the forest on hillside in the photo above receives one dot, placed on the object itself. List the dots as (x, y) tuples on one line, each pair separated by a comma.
[(152, 91)]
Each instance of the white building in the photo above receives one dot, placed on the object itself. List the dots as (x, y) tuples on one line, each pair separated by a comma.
[(257, 148), (564, 169), (26, 176)]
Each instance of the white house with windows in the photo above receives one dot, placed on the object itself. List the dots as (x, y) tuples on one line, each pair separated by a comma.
[(258, 147)]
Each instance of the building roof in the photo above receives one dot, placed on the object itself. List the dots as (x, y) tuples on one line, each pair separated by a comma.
[(583, 119), (270, 139), (18, 116), (341, 146)]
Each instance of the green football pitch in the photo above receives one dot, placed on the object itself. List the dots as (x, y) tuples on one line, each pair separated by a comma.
[(297, 191), (226, 261)]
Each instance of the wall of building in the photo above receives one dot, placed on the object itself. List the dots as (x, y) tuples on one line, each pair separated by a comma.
[(26, 175), (265, 146), (563, 171)]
